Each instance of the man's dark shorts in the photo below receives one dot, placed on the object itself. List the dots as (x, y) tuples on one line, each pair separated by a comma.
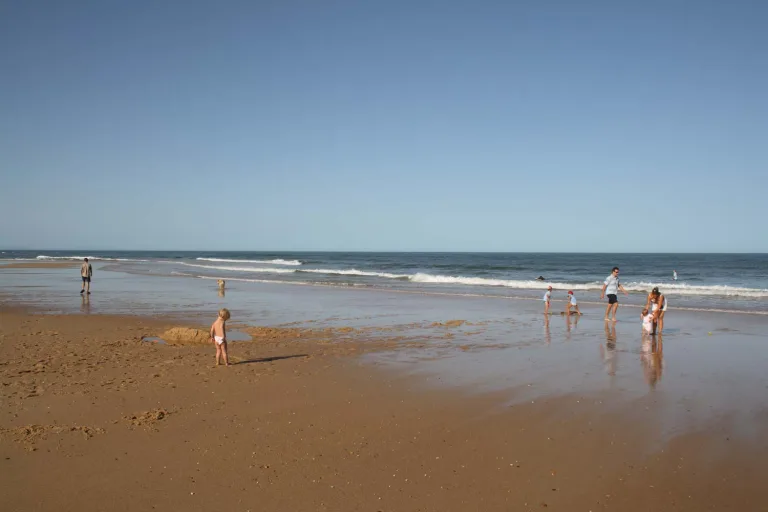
[(612, 298), (88, 280)]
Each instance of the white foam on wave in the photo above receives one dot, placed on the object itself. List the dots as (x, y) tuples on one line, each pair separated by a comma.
[(668, 289), (484, 281), (277, 261), (686, 289), (270, 270), (272, 281), (453, 294), (355, 272), (43, 257)]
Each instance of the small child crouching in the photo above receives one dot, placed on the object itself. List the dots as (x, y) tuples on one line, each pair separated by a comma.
[(572, 304)]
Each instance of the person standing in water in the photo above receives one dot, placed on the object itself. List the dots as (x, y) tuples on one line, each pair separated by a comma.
[(86, 271), (611, 289), (547, 298), (674, 275)]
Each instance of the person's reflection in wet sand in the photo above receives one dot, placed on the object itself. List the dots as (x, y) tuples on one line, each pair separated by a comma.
[(569, 325), (608, 351), (222, 293), (85, 303), (652, 357), (547, 334)]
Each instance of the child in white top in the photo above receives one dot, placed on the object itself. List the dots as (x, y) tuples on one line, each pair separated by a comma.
[(647, 318), (571, 304), (547, 298)]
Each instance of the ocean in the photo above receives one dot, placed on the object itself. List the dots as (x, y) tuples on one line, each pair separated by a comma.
[(721, 282)]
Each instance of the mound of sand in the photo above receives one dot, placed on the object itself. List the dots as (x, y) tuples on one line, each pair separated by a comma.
[(186, 336)]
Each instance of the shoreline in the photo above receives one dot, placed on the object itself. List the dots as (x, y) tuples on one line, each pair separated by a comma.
[(737, 295), (303, 423)]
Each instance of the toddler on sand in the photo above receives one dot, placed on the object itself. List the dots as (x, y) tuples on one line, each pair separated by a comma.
[(219, 335), (547, 298), (647, 317), (572, 304)]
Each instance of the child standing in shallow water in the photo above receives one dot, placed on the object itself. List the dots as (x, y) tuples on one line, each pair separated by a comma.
[(547, 299), (219, 335), (647, 319)]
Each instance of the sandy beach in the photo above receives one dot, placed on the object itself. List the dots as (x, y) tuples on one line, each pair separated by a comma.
[(94, 418), (462, 256)]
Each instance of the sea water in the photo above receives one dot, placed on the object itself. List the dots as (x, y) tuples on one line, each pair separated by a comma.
[(731, 282)]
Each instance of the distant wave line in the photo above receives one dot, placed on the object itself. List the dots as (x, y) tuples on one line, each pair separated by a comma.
[(669, 289), (43, 257), (278, 261), (477, 295)]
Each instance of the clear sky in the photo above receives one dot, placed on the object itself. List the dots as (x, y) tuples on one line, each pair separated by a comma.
[(384, 125)]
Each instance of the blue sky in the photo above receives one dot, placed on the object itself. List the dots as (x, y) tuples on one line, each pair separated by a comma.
[(384, 125)]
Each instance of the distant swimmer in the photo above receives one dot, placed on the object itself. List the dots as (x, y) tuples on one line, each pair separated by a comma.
[(674, 275), (540, 278)]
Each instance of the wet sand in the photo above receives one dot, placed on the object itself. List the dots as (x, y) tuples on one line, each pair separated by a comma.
[(32, 265), (95, 419)]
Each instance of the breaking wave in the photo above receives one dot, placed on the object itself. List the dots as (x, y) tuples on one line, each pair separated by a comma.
[(43, 257), (668, 289), (277, 261)]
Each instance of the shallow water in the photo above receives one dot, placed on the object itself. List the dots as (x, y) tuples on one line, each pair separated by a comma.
[(705, 281)]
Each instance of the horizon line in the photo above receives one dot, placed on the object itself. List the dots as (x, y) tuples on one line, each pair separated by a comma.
[(370, 251)]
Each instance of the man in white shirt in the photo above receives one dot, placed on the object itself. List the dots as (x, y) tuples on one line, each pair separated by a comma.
[(611, 288)]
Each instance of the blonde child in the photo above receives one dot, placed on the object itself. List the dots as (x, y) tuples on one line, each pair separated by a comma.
[(219, 335), (547, 299), (647, 318)]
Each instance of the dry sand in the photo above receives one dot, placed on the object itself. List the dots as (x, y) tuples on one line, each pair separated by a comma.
[(95, 419)]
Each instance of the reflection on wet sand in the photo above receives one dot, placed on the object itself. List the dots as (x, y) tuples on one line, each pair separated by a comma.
[(608, 351), (547, 334), (652, 358), (568, 325), (222, 293), (85, 304)]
